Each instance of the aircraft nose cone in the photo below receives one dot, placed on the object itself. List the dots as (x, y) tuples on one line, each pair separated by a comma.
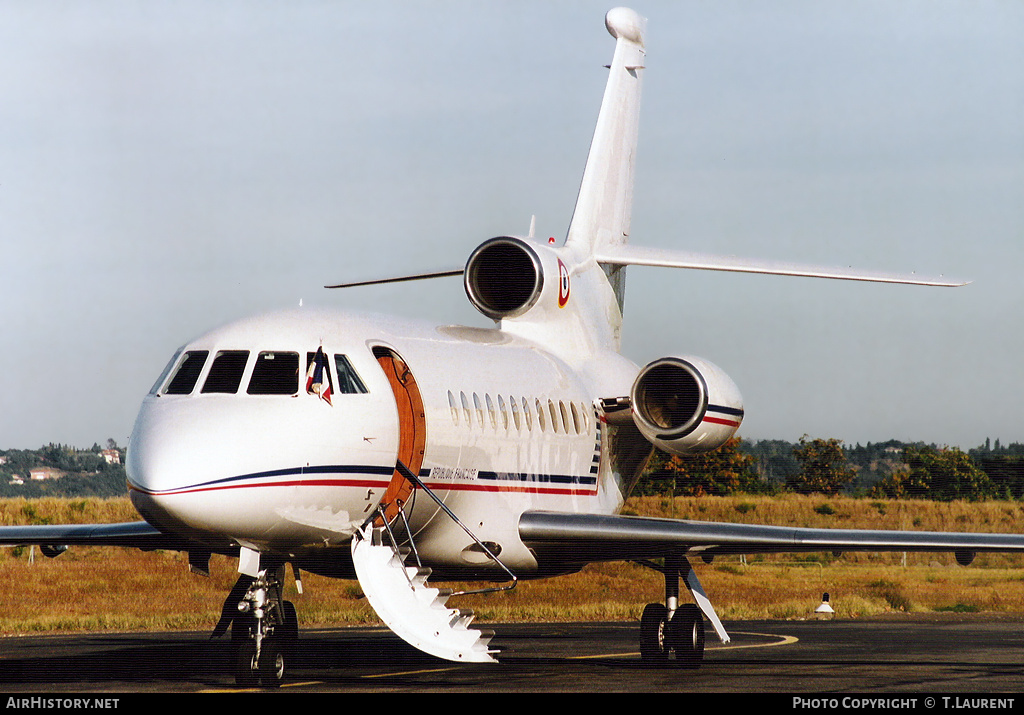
[(151, 463), (177, 456), (154, 451)]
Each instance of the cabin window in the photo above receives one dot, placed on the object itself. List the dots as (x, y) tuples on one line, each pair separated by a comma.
[(465, 409), (503, 411), (575, 417), (541, 420), (490, 411), (515, 413), (554, 417), (226, 371), (184, 380), (479, 410), (348, 381), (527, 415), (275, 373), (454, 408), (565, 417)]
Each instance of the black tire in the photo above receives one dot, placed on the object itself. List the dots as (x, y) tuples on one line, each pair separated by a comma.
[(686, 635), (246, 674), (272, 662), (654, 646), (290, 629)]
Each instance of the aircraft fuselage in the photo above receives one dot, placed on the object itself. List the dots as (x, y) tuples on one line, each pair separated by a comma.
[(230, 448)]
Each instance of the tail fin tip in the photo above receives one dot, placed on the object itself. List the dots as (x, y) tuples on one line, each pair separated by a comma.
[(625, 23)]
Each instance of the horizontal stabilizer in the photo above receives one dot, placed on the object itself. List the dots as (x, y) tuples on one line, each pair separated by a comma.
[(399, 279), (627, 255)]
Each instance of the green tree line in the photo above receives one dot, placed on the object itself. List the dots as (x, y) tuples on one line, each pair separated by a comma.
[(84, 472), (890, 469)]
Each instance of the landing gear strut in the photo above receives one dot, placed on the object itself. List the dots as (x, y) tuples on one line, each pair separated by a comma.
[(669, 628), (264, 631)]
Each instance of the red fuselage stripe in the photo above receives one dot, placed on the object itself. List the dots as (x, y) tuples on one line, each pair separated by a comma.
[(719, 421), (378, 484)]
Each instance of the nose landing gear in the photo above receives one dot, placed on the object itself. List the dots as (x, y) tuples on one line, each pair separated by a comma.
[(263, 630)]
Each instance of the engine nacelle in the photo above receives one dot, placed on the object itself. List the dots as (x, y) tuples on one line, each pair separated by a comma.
[(686, 404), (504, 277)]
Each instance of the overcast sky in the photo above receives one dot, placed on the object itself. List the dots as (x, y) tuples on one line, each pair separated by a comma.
[(166, 167)]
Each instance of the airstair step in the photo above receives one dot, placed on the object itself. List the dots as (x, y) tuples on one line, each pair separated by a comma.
[(411, 608)]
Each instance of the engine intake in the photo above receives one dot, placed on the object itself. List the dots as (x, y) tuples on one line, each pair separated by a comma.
[(504, 277), (686, 404)]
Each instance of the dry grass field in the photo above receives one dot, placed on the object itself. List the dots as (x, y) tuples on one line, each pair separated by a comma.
[(123, 589)]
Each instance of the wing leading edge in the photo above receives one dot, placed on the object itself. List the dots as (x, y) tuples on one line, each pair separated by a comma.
[(134, 534), (577, 539)]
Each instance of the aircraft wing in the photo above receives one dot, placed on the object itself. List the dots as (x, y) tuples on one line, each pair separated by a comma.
[(577, 539), (136, 534)]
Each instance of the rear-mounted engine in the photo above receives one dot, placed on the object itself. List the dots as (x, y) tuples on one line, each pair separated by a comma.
[(686, 404), (504, 277)]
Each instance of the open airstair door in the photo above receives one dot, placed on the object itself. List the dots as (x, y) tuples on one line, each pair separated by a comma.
[(412, 428), (400, 594)]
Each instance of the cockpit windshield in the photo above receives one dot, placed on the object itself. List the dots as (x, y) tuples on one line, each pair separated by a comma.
[(273, 373), (226, 371), (184, 380)]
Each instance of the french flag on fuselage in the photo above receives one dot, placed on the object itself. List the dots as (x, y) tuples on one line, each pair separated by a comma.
[(318, 377)]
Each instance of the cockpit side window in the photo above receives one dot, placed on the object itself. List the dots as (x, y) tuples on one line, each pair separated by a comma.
[(348, 380), (167, 371), (184, 380), (275, 373), (226, 371)]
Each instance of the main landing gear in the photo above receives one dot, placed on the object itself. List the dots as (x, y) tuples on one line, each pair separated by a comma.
[(670, 628), (264, 628), (663, 632)]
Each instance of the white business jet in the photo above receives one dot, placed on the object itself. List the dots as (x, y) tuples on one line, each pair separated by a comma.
[(391, 451)]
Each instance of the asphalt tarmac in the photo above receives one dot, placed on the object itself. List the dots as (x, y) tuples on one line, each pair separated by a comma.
[(930, 656)]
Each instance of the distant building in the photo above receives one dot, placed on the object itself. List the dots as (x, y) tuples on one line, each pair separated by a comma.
[(111, 456), (41, 473)]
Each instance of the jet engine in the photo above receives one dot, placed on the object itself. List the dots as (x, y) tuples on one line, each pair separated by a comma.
[(504, 277), (686, 404)]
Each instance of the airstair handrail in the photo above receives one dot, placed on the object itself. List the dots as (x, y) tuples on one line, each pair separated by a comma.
[(407, 473)]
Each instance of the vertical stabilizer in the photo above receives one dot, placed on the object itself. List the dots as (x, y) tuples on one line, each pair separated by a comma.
[(601, 218)]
